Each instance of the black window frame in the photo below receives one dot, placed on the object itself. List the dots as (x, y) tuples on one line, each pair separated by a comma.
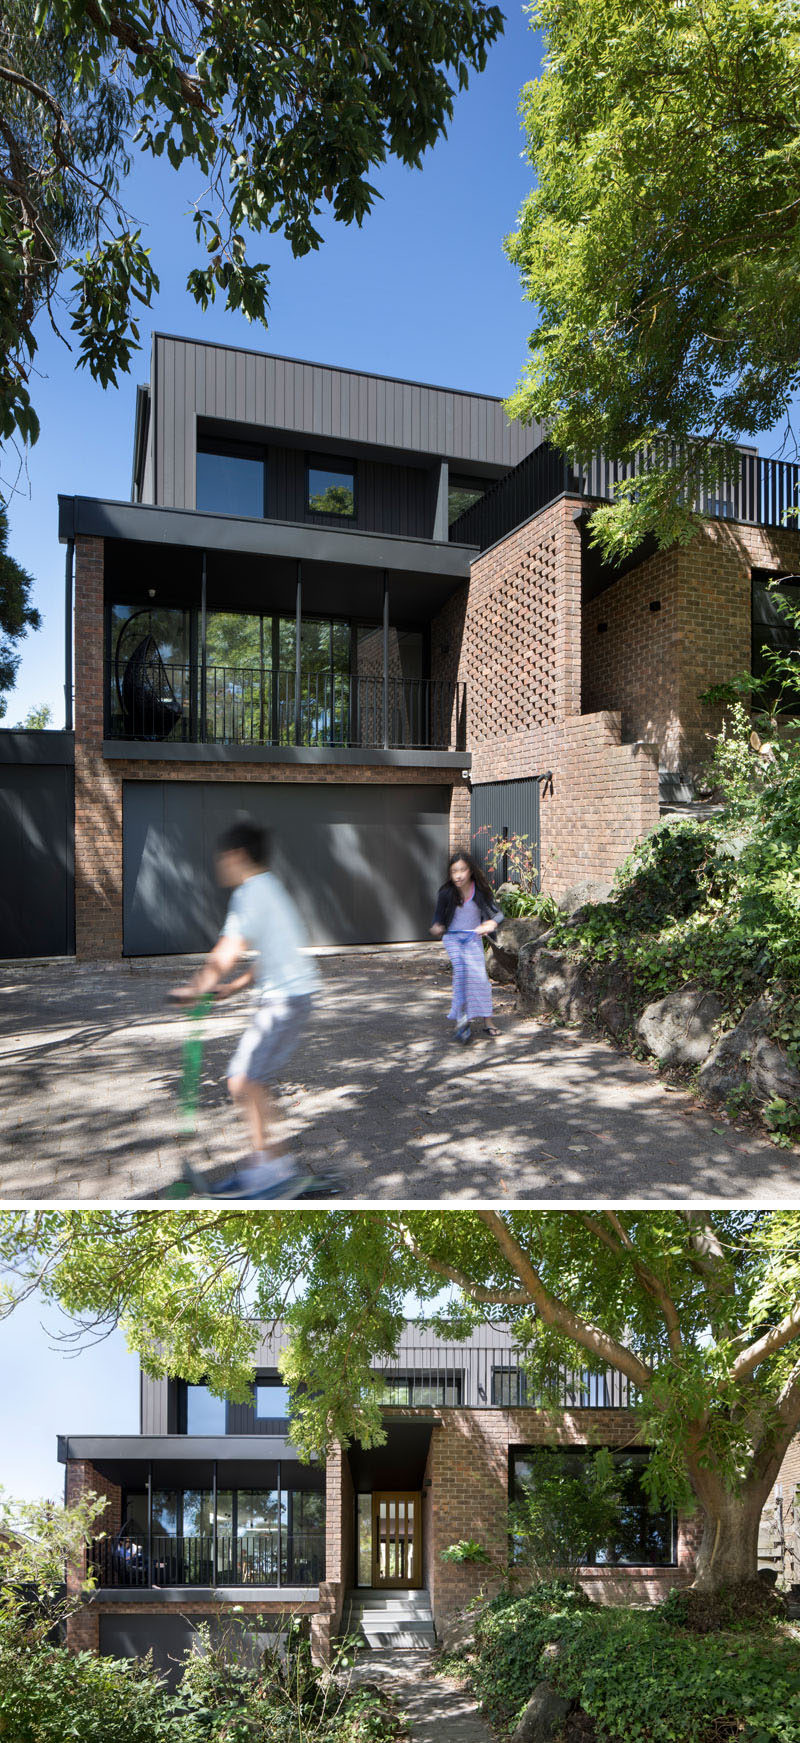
[(183, 1409), (500, 1373), (276, 1423), (330, 463), (229, 448), (760, 578), (463, 481), (447, 1381), (582, 1449)]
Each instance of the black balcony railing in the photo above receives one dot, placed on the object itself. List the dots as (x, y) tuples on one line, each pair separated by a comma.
[(763, 492), (252, 706), (254, 1558), (453, 1375)]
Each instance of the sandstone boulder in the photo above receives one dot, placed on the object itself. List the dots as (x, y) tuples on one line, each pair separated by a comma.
[(582, 895), (505, 945), (680, 1029), (551, 984), (543, 1716), (748, 1057)]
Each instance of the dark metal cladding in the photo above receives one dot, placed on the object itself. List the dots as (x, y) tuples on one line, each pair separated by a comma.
[(505, 808)]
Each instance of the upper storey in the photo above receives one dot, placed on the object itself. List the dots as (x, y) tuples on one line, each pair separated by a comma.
[(246, 433)]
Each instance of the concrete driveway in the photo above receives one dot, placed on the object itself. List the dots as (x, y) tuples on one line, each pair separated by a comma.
[(90, 1066)]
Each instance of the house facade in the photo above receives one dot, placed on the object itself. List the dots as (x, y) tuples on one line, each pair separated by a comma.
[(209, 1506), (368, 613)]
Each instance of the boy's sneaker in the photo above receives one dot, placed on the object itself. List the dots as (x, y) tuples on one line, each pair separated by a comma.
[(463, 1031)]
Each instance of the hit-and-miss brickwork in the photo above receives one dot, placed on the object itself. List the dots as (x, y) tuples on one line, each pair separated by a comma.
[(514, 636), (653, 665), (99, 779), (468, 1473)]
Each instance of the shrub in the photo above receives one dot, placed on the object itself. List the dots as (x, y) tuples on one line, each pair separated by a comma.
[(748, 1604), (569, 1507), (639, 1678)]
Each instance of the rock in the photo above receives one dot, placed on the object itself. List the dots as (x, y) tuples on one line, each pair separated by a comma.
[(680, 1029), (580, 895), (614, 1014), (543, 1716), (748, 1057), (505, 946), (552, 984), (458, 1634)]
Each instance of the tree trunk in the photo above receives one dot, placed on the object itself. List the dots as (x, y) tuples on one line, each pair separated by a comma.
[(728, 1550)]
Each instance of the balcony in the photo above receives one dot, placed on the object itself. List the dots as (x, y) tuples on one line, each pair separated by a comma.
[(158, 702), (263, 1558), (454, 1375)]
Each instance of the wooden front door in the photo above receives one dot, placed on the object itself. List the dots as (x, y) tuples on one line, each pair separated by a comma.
[(396, 1540)]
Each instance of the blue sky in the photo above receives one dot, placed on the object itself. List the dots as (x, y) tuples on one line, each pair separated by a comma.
[(422, 290), (45, 1393)]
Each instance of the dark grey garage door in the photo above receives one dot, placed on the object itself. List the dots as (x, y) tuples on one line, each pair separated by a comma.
[(170, 1637), (37, 893), (363, 862)]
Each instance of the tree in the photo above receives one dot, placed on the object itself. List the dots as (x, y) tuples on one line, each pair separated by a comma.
[(38, 1539), (17, 615), (281, 109), (37, 719), (699, 1310), (660, 242)]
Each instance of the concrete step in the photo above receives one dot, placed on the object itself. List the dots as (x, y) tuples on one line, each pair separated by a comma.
[(392, 1620)]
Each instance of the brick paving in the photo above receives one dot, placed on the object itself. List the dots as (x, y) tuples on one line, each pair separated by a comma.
[(90, 1064)]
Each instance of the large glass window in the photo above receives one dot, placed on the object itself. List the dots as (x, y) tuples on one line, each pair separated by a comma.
[(205, 1414), (331, 488), (771, 629), (271, 1401), (643, 1536), (149, 692), (509, 1387), (231, 478), (365, 1540)]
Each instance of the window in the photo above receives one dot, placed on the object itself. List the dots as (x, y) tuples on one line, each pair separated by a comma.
[(231, 478), (643, 1537), (509, 1387), (331, 489), (271, 1401), (463, 493), (205, 1414), (421, 1389), (772, 630)]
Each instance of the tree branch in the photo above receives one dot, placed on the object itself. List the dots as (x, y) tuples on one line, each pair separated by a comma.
[(476, 1291), (129, 38), (556, 1313), (624, 1247), (773, 1340)]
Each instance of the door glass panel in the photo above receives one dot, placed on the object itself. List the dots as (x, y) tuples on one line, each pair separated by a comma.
[(165, 1512), (365, 1540), (258, 1538)]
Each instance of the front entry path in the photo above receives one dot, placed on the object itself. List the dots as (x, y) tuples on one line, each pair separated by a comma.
[(437, 1710), (90, 1065)]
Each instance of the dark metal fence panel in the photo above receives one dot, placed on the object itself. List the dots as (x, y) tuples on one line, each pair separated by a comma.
[(275, 1557), (764, 492), (37, 820), (504, 808)]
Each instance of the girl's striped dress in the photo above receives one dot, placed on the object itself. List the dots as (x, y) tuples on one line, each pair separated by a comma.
[(472, 989)]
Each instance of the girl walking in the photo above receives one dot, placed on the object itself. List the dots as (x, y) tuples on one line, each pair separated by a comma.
[(465, 912)]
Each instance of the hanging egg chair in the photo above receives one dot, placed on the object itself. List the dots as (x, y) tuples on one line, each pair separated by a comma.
[(147, 699)]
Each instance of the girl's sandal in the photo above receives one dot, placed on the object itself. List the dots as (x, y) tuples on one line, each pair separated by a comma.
[(489, 1029)]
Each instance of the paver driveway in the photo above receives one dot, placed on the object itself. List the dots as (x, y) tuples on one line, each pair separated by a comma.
[(90, 1062)]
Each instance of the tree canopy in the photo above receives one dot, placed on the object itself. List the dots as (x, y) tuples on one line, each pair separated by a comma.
[(700, 1310), (17, 615), (282, 110), (660, 244)]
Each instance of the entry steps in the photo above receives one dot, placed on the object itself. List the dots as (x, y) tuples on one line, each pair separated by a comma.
[(385, 1619)]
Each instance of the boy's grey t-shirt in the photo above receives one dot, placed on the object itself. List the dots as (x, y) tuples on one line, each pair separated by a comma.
[(261, 912)]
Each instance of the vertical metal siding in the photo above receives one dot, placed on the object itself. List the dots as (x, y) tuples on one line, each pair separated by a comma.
[(504, 808), (195, 380)]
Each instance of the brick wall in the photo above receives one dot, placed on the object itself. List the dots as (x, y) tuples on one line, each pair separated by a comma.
[(83, 1479), (468, 1470), (653, 665), (98, 780), (514, 637)]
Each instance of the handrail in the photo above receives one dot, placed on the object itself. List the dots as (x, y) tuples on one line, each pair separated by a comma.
[(273, 1557), (765, 492)]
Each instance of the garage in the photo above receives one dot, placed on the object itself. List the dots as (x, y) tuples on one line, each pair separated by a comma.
[(363, 861)]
